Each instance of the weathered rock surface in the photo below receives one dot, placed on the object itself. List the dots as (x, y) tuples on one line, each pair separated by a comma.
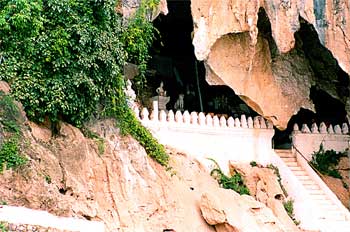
[(230, 212), (266, 67), (122, 187), (263, 185)]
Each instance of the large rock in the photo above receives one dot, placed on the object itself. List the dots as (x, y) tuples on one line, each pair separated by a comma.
[(213, 19), (264, 187), (230, 212), (275, 89), (272, 75)]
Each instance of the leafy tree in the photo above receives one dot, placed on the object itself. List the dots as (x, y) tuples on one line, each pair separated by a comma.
[(61, 58), (64, 60)]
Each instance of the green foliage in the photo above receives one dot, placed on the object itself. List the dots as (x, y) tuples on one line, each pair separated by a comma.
[(128, 124), (9, 114), (48, 179), (3, 227), (234, 182), (253, 164), (279, 179), (288, 206), (138, 37), (61, 58), (64, 60), (10, 155), (326, 161), (9, 121)]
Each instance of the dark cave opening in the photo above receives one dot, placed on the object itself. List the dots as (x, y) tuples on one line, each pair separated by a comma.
[(330, 92), (174, 63)]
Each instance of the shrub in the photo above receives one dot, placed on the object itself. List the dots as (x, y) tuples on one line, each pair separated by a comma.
[(253, 164), (3, 227), (288, 206), (10, 155), (325, 161), (234, 182), (10, 120)]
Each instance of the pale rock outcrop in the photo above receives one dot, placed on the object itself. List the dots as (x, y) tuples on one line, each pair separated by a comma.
[(231, 212), (263, 185), (236, 54)]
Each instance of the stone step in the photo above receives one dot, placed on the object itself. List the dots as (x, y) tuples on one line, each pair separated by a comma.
[(285, 153), (289, 159), (299, 172), (292, 164), (303, 178), (316, 192), (307, 182), (312, 187), (318, 197), (296, 168)]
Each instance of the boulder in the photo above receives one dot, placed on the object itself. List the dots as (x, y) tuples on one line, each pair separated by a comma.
[(230, 212)]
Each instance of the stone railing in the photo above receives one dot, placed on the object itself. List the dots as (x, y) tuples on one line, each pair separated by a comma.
[(307, 140), (205, 136)]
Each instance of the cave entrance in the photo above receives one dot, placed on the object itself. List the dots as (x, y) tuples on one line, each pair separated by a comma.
[(330, 93), (174, 63)]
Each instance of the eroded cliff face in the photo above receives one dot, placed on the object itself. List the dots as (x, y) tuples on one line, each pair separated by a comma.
[(69, 175), (260, 50)]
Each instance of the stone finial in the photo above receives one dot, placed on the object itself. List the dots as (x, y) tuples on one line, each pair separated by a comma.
[(330, 129), (223, 121), (162, 116), (145, 114), (201, 119), (337, 129), (323, 128), (256, 122), (345, 128), (187, 117), (305, 129), (194, 118), (208, 120), (178, 117), (237, 123), (171, 116), (230, 122), (216, 121), (295, 127), (262, 123), (314, 128), (244, 121), (250, 122), (269, 124)]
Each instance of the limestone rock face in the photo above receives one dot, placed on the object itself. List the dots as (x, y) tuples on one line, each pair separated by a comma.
[(69, 176), (231, 212), (272, 75), (274, 89), (263, 185)]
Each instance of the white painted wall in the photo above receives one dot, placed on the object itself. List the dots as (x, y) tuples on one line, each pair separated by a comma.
[(308, 141), (202, 136)]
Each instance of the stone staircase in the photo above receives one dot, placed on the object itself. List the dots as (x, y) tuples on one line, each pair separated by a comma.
[(330, 216)]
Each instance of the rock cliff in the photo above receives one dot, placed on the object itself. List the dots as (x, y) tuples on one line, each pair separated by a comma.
[(271, 52), (110, 178), (70, 175)]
